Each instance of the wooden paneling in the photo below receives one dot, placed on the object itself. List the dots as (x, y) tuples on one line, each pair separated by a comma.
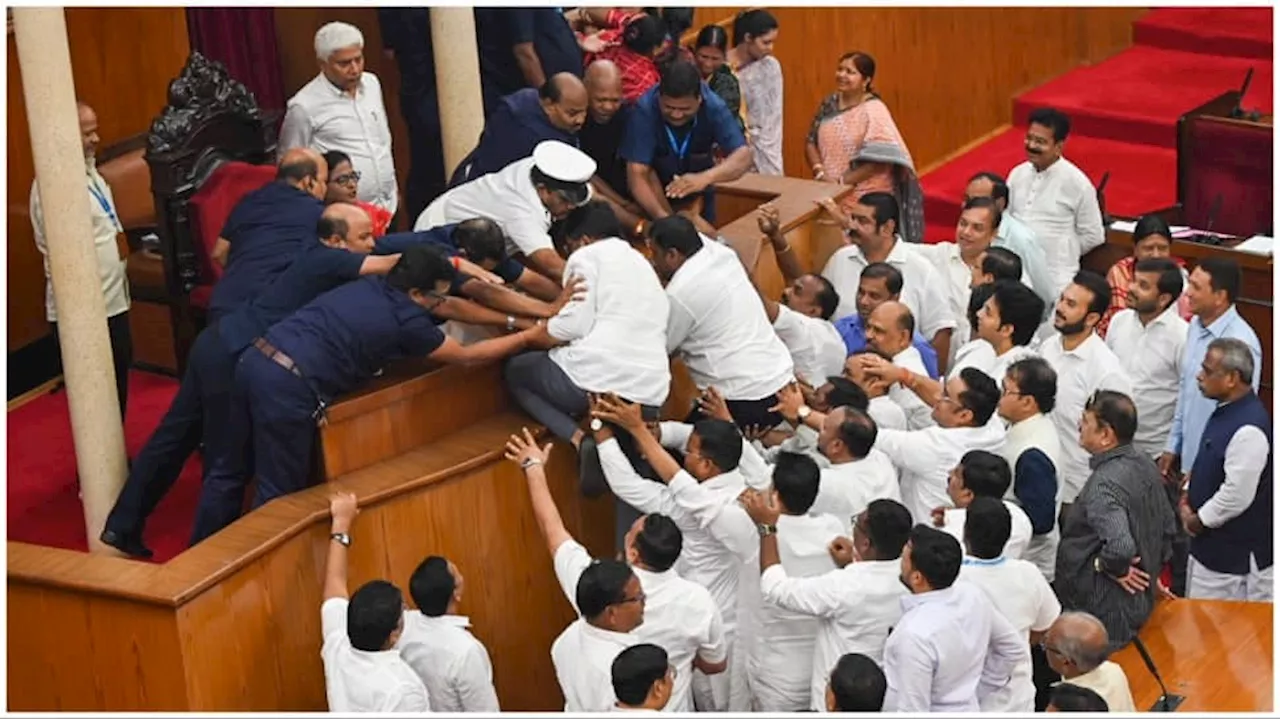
[(122, 60)]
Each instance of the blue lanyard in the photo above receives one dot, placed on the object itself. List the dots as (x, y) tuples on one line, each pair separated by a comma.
[(101, 197), (683, 148)]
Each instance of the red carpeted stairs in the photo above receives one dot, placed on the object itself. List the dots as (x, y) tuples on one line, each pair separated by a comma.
[(1124, 111), (43, 504)]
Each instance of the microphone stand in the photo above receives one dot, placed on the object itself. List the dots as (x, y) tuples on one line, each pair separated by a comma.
[(1167, 702)]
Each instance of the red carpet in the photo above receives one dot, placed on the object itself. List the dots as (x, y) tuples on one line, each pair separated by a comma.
[(1124, 110), (43, 504)]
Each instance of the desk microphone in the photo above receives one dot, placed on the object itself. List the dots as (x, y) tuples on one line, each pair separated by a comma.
[(1102, 198), (1238, 112), (1167, 702), (1205, 238)]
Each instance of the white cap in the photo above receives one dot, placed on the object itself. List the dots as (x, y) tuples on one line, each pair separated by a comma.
[(563, 162)]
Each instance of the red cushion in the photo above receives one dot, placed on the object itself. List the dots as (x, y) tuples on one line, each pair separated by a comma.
[(200, 295), (212, 204)]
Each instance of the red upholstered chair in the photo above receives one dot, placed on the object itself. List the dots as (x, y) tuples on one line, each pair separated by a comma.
[(209, 208)]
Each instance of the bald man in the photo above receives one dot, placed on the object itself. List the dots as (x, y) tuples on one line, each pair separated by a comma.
[(523, 119), (1076, 648), (890, 329), (601, 137), (200, 412), (266, 229)]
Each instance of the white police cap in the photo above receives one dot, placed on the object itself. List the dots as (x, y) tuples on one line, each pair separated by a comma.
[(563, 162)]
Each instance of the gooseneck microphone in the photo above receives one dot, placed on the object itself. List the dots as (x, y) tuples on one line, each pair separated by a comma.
[(1167, 702)]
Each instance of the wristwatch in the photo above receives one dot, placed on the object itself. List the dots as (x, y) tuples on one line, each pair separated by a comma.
[(1097, 564), (530, 462), (803, 413), (341, 538), (596, 425), (511, 323), (766, 529)]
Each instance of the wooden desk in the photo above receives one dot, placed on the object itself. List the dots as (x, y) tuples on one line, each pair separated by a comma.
[(1225, 170), (1216, 654)]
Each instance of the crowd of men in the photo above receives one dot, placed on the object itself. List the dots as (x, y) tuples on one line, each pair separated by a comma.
[(908, 484)]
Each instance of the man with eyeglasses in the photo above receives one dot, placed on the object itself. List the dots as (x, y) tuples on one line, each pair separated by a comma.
[(1077, 648)]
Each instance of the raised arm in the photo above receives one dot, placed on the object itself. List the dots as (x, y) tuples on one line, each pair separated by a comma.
[(343, 509), (523, 449)]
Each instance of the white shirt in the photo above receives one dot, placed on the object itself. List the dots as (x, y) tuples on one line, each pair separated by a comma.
[(1246, 456), (1060, 205), (325, 118), (919, 415), (856, 607), (583, 655), (1152, 357), (1021, 594), (104, 224), (980, 355), (452, 663), (616, 334), (949, 651), (803, 440), (886, 413), (360, 681), (1110, 683), (815, 345), (846, 489), (926, 457), (1019, 529), (719, 328), (783, 666), (923, 291), (1081, 372), (507, 197)]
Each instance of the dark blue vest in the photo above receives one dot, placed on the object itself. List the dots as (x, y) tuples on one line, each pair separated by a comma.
[(1227, 548)]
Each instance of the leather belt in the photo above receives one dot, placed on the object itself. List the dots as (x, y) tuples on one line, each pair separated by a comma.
[(277, 356)]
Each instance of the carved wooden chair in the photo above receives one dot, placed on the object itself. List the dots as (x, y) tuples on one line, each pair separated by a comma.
[(210, 146)]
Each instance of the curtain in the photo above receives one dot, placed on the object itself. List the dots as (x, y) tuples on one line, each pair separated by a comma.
[(243, 39)]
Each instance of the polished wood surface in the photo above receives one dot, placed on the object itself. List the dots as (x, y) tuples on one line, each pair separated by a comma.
[(1219, 655), (122, 60)]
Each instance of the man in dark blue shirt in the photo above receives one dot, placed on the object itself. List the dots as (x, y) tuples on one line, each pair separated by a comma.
[(267, 228), (673, 134), (521, 120), (198, 412), (406, 35), (601, 138), (333, 346), (522, 47)]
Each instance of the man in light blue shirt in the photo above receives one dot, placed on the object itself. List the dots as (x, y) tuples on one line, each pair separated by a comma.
[(1015, 235), (1212, 290), (880, 282)]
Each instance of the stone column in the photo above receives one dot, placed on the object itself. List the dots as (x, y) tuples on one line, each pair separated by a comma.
[(49, 91), (453, 41)]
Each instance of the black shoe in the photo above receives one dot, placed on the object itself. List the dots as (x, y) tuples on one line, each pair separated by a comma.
[(590, 473), (131, 546)]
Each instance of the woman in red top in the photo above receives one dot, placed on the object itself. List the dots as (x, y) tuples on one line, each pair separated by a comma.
[(642, 40), (1152, 238), (344, 182)]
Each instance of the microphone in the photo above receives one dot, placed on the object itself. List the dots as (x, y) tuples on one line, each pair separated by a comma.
[(1212, 218), (1238, 112), (1167, 702)]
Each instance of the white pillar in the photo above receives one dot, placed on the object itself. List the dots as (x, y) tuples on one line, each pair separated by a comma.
[(453, 42), (49, 91)]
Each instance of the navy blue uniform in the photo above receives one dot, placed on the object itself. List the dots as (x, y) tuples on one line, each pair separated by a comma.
[(267, 229), (337, 343), (442, 237), (602, 143), (516, 126), (407, 31), (499, 30)]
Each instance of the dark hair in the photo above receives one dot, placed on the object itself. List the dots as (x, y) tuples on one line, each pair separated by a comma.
[(999, 190), (885, 206), (481, 238), (987, 526), (575, 193), (846, 393), (332, 225), (795, 477), (858, 684), (1002, 263), (980, 395), (1114, 410), (602, 584), (1036, 379), (988, 204), (888, 527), (552, 88), (373, 614), (676, 232), (420, 267), (857, 432), (712, 36), (594, 219), (936, 555), (985, 474), (333, 158), (754, 23), (1053, 119), (1224, 275), (865, 65), (1151, 225), (1098, 287), (978, 297), (659, 542), (643, 34), (680, 78), (635, 670), (1019, 306), (304, 167), (1074, 698), (676, 20), (828, 298), (1170, 280), (432, 585), (891, 275), (721, 442)]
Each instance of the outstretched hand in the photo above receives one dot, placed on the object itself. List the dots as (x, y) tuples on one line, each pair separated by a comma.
[(523, 447), (610, 408)]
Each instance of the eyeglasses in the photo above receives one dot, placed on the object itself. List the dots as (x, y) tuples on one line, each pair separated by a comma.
[(350, 178), (1006, 392), (1050, 649), (639, 598)]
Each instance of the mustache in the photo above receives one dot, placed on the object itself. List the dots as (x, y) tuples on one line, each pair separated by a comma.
[(1034, 150)]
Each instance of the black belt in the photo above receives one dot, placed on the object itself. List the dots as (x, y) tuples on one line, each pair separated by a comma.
[(285, 361)]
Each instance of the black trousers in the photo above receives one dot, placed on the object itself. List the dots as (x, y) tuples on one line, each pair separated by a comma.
[(121, 353)]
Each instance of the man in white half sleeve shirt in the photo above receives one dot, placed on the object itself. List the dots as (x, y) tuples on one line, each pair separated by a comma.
[(889, 330)]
